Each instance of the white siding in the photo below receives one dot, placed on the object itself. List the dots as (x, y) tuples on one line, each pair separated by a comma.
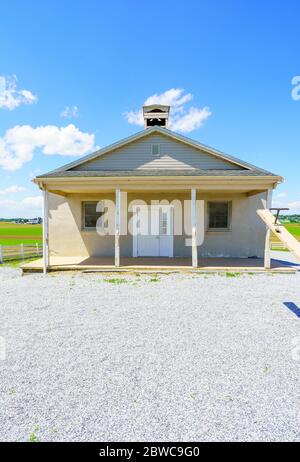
[(174, 155)]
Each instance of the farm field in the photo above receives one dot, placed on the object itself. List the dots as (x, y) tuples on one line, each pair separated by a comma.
[(13, 234), (293, 228)]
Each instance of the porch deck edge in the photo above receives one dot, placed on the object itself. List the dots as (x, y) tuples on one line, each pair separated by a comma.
[(159, 269)]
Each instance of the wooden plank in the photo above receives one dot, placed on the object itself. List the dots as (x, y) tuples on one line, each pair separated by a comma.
[(278, 246), (19, 253), (18, 250), (7, 254), (281, 232)]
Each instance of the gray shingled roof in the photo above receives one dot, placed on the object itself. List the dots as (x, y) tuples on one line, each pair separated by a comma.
[(183, 172)]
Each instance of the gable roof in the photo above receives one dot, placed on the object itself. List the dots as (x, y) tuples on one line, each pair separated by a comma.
[(246, 168)]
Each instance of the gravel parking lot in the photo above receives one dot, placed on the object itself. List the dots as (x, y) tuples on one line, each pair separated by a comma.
[(150, 357)]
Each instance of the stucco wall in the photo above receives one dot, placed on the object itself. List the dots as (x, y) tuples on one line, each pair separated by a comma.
[(245, 239)]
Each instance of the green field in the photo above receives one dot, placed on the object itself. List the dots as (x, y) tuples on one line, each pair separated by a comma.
[(13, 234), (293, 228)]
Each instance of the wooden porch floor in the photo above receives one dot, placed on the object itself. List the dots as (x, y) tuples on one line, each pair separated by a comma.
[(156, 264)]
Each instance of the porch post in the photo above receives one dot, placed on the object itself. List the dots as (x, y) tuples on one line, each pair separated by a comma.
[(194, 229), (45, 231), (267, 259), (117, 227)]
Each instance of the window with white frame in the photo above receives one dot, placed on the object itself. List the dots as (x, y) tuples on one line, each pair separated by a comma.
[(92, 211), (219, 216)]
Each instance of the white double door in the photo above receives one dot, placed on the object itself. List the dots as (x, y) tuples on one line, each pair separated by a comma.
[(153, 231)]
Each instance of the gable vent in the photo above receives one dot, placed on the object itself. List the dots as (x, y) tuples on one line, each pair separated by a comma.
[(155, 149)]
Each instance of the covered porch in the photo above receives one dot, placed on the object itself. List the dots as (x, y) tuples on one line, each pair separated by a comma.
[(73, 192)]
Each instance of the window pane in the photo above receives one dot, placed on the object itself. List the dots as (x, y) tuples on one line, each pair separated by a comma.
[(90, 208), (91, 215), (90, 221), (218, 215), (164, 224)]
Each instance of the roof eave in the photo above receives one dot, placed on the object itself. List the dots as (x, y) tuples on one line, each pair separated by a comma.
[(252, 178)]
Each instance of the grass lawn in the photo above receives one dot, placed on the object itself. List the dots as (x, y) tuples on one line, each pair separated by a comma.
[(13, 234), (293, 228), (19, 241), (18, 263)]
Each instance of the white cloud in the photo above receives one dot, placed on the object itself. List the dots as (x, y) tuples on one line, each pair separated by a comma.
[(11, 190), (135, 117), (10, 97), (69, 112), (32, 202), (27, 207), (193, 119), (174, 97), (294, 207), (181, 118), (19, 143)]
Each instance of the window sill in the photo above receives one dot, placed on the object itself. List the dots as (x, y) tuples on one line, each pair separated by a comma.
[(88, 230), (91, 230), (218, 231)]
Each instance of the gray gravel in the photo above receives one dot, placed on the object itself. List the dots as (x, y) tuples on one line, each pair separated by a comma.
[(285, 257), (174, 357)]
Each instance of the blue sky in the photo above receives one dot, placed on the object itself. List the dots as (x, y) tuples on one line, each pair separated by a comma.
[(85, 64)]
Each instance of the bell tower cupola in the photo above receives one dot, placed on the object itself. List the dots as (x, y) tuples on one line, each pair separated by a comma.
[(156, 115)]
